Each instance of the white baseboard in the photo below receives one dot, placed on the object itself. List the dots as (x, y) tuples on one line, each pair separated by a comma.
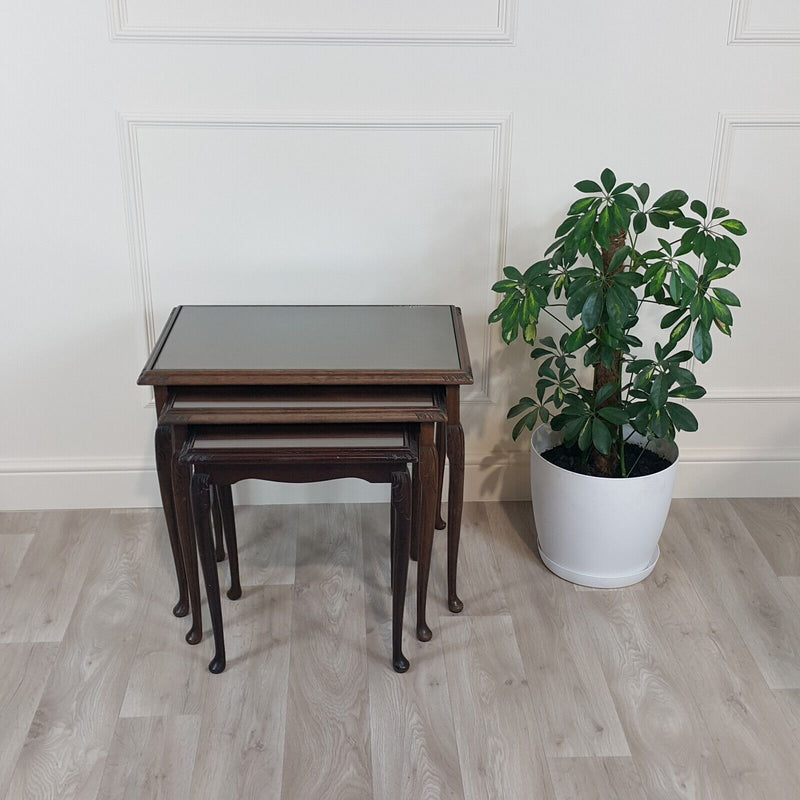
[(500, 476)]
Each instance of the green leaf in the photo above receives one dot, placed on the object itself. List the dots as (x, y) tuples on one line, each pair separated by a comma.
[(680, 330), (642, 192), (719, 272), (513, 273), (524, 403), (608, 179), (510, 325), (527, 421), (659, 391), (619, 256), (585, 436), (701, 343), (626, 201), (675, 287), (504, 307), (622, 187), (719, 212), (686, 222), (615, 306), (699, 208), (673, 199), (603, 228), (536, 270), (691, 392), (722, 326), (575, 340), (687, 275), (566, 226), (706, 312), (584, 225), (504, 286), (710, 248), (588, 186), (639, 222), (580, 206), (529, 333), (659, 424), (614, 414), (659, 220), (671, 317), (604, 392), (681, 417), (601, 437), (592, 309), (573, 428), (577, 297), (728, 251), (721, 311), (727, 297), (734, 226)]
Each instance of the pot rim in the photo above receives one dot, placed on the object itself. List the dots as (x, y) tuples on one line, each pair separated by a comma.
[(578, 475)]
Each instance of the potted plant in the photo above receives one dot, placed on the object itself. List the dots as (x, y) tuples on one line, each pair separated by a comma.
[(603, 465)]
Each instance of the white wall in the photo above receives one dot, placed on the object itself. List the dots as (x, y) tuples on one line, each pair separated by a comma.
[(156, 153)]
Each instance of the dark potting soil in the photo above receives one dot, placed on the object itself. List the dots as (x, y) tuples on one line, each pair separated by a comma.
[(570, 458)]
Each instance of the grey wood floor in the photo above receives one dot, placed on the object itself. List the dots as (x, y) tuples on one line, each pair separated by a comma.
[(685, 686)]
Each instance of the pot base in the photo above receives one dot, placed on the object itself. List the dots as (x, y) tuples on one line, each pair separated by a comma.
[(600, 581)]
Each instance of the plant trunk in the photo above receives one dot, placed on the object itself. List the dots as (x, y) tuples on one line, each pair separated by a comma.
[(607, 466)]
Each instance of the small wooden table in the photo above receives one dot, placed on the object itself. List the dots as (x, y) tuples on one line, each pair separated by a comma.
[(377, 351)]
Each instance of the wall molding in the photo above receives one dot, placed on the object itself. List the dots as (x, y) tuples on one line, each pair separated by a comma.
[(38, 484), (727, 124), (502, 33), (739, 31), (130, 124)]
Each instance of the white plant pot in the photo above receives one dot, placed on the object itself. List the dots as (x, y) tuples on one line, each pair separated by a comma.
[(600, 532)]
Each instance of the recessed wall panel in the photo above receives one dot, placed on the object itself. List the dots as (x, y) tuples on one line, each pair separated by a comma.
[(319, 213), (760, 361), (435, 20)]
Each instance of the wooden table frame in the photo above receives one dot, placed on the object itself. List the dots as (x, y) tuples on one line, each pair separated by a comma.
[(174, 478)]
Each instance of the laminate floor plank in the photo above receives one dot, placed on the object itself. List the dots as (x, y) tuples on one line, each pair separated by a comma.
[(65, 750), (167, 676), (480, 583), (669, 742), (774, 524), (25, 669), (567, 681), (327, 747), (151, 758), (240, 753), (36, 606), (412, 737), (21, 523), (499, 743), (742, 714), (267, 539), (791, 586), (13, 547), (745, 582), (592, 778), (789, 703)]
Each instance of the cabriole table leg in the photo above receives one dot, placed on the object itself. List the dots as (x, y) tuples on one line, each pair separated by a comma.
[(183, 514), (427, 481), (163, 442), (455, 495)]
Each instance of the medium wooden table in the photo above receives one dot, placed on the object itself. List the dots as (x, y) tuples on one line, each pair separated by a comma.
[(376, 351)]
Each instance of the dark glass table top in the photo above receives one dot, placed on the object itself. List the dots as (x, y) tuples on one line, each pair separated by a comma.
[(292, 344)]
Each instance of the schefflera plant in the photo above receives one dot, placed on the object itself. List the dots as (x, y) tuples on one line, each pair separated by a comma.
[(596, 273)]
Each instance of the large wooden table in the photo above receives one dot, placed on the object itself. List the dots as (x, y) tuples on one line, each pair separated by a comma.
[(368, 352)]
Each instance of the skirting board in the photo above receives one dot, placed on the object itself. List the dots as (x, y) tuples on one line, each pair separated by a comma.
[(504, 478)]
